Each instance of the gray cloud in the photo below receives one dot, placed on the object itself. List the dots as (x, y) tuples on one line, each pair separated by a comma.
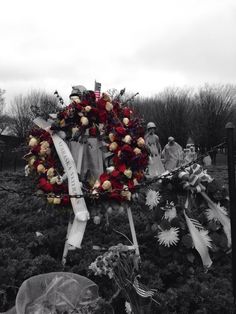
[(140, 46), (206, 50)]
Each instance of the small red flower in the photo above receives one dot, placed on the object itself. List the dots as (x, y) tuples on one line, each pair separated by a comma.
[(127, 112), (93, 131), (45, 185), (121, 131), (102, 116)]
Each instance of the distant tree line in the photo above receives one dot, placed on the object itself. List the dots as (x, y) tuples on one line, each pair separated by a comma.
[(181, 113)]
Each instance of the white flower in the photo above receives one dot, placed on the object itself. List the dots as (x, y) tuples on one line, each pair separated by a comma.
[(128, 309), (84, 121), (27, 170), (168, 237), (152, 198), (204, 235), (96, 270), (170, 211)]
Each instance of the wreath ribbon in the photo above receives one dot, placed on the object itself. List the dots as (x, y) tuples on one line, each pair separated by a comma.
[(77, 230), (198, 242), (192, 179)]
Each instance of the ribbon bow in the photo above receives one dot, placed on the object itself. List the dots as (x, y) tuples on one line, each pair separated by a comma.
[(193, 177)]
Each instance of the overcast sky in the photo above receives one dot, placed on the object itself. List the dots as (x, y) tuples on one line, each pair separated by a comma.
[(144, 46)]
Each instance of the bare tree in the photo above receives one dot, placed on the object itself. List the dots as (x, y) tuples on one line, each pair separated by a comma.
[(45, 103), (6, 122), (22, 114), (2, 100), (213, 106), (170, 110)]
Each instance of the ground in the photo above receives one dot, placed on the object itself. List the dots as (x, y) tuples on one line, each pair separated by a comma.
[(183, 285)]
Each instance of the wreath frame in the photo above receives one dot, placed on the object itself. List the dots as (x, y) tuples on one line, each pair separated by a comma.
[(110, 121)]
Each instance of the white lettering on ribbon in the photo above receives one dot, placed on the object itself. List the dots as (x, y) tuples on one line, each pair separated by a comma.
[(74, 186)]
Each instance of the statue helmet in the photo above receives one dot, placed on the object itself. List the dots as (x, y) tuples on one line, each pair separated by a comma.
[(151, 125), (77, 91)]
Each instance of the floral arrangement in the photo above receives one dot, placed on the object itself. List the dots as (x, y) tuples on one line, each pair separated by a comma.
[(188, 210), (121, 264), (114, 125)]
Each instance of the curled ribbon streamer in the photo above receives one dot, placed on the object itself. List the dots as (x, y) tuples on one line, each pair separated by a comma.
[(198, 242), (223, 219), (77, 230), (192, 178)]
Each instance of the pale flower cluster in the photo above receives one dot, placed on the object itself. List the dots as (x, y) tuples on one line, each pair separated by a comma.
[(103, 265)]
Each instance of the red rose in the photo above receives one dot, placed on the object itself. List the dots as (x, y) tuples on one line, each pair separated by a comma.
[(127, 112), (127, 152), (36, 163), (115, 173), (102, 116), (45, 185), (116, 160), (122, 167), (65, 200), (94, 111), (93, 131), (78, 106), (116, 184), (139, 176), (36, 149), (103, 177), (115, 195), (101, 104), (130, 184), (120, 131)]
